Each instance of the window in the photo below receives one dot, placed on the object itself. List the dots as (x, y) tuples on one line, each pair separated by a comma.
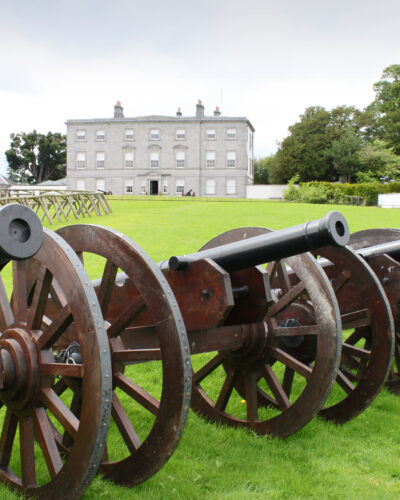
[(100, 135), (231, 186), (211, 135), (100, 160), (129, 158), (231, 159), (210, 159), (180, 186), (210, 186), (180, 159), (143, 187), (129, 134), (154, 160), (165, 186), (129, 187), (81, 135), (180, 134), (155, 134), (100, 185), (231, 133), (80, 185), (250, 169), (81, 160)]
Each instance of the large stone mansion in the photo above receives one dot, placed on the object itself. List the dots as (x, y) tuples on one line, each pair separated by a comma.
[(169, 155)]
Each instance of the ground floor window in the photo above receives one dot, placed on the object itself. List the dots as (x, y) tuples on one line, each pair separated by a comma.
[(165, 186), (231, 186), (180, 186), (210, 186), (143, 187), (100, 185), (128, 187)]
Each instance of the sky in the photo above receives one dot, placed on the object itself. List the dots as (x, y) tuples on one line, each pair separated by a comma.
[(266, 60)]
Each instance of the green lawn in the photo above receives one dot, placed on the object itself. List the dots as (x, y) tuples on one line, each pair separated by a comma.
[(358, 460)]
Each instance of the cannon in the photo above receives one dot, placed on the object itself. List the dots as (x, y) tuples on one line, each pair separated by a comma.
[(209, 331), (381, 249), (42, 269)]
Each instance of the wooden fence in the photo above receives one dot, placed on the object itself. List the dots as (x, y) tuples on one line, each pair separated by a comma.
[(57, 205)]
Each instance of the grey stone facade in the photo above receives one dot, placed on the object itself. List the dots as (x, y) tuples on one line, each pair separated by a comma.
[(170, 155)]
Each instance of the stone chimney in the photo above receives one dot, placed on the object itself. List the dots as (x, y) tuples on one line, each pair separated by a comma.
[(199, 110), (118, 110), (217, 112), (179, 112)]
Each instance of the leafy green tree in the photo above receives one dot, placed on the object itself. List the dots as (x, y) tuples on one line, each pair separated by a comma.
[(387, 106), (377, 160), (344, 154), (34, 157), (263, 169)]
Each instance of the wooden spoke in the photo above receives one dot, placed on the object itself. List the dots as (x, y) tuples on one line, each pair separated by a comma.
[(226, 391), (137, 393), (207, 369), (127, 316), (40, 298), (27, 451), (20, 294), (44, 435), (293, 331), (355, 351), (275, 386), (283, 277), (286, 299), (58, 295), (266, 398), (290, 361), (6, 314), (349, 374), (354, 337), (137, 355), (7, 437), (344, 382), (107, 285), (288, 380), (62, 413), (55, 329), (251, 396), (60, 387), (340, 281), (80, 256), (355, 319), (62, 369), (124, 425)]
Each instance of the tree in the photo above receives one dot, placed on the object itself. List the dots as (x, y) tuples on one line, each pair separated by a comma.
[(34, 157), (387, 105), (377, 160), (344, 152)]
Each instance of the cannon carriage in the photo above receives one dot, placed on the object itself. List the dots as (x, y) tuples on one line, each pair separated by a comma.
[(242, 344)]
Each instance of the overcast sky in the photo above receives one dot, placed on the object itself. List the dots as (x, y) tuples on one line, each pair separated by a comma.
[(263, 59)]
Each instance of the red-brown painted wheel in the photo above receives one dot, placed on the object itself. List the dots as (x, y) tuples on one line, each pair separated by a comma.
[(38, 464), (280, 393), (387, 270), (149, 352)]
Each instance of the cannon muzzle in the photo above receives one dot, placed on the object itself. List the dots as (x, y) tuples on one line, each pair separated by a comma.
[(330, 230), (21, 233)]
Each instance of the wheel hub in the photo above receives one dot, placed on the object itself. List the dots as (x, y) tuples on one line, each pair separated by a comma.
[(19, 369)]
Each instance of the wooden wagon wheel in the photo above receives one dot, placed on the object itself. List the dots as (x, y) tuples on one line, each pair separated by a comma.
[(149, 352), (37, 463), (368, 334), (294, 389), (388, 271)]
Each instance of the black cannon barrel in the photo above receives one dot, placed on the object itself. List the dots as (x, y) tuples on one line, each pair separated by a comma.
[(21, 233), (330, 230), (391, 248)]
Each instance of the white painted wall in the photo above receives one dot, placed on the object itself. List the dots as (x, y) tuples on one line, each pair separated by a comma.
[(391, 200), (265, 191)]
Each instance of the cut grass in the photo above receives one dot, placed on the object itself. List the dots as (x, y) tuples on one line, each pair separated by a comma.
[(357, 460)]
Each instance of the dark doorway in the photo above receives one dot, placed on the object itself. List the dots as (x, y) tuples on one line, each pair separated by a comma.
[(153, 187)]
